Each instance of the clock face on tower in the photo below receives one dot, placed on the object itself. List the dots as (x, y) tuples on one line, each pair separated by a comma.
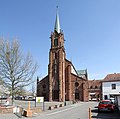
[(56, 42)]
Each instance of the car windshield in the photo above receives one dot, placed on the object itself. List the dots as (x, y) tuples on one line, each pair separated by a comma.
[(105, 102)]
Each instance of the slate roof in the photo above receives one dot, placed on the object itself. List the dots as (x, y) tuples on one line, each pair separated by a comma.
[(81, 72), (112, 77), (57, 23)]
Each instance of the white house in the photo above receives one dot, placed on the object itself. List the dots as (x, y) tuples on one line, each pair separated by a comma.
[(117, 97), (111, 86)]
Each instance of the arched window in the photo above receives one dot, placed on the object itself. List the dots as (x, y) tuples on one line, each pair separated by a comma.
[(56, 42), (44, 86), (96, 87), (55, 55), (91, 87)]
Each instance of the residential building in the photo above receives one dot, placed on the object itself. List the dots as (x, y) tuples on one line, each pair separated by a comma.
[(111, 86), (94, 90)]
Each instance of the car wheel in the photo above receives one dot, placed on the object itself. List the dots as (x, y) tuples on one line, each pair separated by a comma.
[(112, 111), (98, 110)]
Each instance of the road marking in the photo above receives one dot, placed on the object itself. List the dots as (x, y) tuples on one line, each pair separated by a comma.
[(61, 111)]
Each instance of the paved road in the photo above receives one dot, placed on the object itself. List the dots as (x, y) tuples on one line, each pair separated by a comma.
[(24, 104), (75, 111), (105, 115)]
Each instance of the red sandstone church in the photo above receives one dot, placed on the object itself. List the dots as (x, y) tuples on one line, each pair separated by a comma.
[(64, 82)]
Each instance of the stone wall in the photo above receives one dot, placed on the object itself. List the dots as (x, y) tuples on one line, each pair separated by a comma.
[(8, 109)]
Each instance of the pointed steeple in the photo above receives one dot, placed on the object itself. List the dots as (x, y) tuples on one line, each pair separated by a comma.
[(57, 23)]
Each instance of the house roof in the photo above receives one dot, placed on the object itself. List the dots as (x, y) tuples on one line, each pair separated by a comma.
[(112, 77)]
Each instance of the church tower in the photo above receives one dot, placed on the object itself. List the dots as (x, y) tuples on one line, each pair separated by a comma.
[(56, 67)]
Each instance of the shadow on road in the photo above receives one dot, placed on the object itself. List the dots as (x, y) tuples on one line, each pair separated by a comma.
[(105, 115), (94, 111)]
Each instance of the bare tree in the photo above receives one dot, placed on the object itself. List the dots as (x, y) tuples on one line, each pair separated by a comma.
[(21, 91), (3, 90), (15, 69), (33, 89)]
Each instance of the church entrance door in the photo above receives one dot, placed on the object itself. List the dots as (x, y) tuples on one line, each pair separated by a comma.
[(77, 96), (55, 95)]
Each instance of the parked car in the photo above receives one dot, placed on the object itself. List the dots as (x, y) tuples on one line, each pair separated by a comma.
[(106, 105), (112, 100), (18, 98), (32, 98)]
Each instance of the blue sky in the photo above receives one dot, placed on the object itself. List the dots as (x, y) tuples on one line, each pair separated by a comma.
[(91, 30)]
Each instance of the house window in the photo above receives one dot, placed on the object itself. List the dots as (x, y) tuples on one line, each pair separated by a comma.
[(105, 97), (96, 87), (91, 87), (113, 86)]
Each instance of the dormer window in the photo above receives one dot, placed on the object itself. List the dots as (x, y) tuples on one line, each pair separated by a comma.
[(91, 87), (96, 87)]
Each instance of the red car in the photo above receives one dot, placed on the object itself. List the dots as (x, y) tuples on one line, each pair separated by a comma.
[(106, 105)]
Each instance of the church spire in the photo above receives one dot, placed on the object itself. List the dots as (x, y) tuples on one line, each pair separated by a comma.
[(57, 23)]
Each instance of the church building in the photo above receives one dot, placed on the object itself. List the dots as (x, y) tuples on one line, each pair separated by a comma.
[(63, 82)]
